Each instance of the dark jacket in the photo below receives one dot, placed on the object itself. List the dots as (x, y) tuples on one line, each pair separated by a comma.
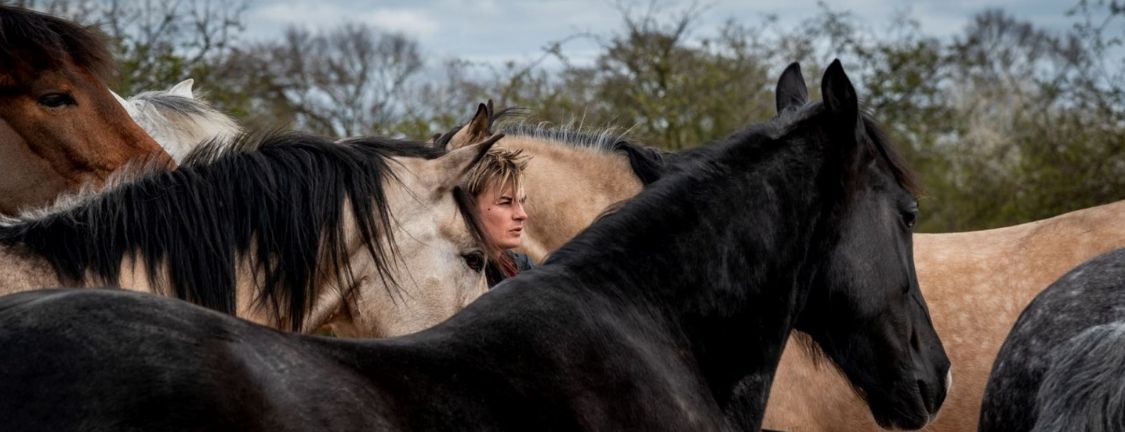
[(495, 275)]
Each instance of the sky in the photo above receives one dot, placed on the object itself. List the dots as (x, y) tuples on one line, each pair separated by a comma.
[(497, 30)]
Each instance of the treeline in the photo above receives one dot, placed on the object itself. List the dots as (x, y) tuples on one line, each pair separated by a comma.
[(1005, 123)]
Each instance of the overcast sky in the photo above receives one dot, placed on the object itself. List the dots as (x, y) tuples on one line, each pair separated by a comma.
[(496, 30)]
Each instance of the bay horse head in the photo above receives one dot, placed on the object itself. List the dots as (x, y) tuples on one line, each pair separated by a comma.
[(60, 127), (865, 309)]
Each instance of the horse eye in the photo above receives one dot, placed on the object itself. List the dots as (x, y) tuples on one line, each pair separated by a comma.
[(56, 100), (909, 217), (474, 259)]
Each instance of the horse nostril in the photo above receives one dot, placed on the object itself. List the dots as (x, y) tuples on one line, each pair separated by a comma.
[(932, 397), (927, 397)]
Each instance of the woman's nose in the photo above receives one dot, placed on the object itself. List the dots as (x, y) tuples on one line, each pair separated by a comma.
[(519, 214)]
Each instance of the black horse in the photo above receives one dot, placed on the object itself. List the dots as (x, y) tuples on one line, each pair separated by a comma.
[(1062, 367), (667, 314)]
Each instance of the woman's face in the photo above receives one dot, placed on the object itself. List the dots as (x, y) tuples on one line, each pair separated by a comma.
[(501, 213)]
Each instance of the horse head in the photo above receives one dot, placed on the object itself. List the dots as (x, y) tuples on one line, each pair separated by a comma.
[(60, 127), (434, 228), (867, 315)]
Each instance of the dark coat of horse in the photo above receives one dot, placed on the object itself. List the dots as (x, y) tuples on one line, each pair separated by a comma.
[(668, 314), (1062, 367)]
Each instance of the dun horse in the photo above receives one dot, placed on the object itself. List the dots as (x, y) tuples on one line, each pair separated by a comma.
[(976, 282), (667, 314), (178, 121), (572, 177), (60, 128), (1062, 367), (295, 233)]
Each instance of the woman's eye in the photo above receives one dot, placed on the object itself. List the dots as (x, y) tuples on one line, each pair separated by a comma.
[(475, 260), (56, 100)]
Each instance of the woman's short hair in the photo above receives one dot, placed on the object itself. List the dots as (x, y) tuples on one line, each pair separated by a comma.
[(498, 167)]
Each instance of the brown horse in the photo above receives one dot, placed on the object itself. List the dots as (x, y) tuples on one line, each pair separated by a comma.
[(60, 127), (976, 283)]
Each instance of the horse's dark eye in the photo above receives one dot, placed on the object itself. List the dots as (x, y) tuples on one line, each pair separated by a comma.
[(475, 260), (56, 100), (909, 217)]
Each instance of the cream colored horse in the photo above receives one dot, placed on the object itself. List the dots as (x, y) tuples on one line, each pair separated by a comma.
[(976, 283), (364, 237)]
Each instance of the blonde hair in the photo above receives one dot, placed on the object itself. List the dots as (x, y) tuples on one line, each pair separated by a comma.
[(497, 168)]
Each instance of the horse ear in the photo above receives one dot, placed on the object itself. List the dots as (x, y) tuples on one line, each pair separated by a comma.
[(183, 89), (119, 99), (129, 108), (791, 90), (455, 164), (839, 95), (477, 129)]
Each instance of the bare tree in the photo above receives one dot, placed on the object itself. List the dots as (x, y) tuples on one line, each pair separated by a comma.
[(157, 43), (345, 82)]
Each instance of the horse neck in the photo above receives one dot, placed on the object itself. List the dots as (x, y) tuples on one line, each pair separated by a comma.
[(24, 271), (175, 249), (584, 181), (717, 265)]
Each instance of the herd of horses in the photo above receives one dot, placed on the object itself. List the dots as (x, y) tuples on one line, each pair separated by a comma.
[(670, 283)]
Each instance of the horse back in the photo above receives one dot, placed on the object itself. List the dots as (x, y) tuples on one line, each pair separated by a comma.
[(71, 362)]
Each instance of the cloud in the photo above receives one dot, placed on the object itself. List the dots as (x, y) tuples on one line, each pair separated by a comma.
[(414, 23)]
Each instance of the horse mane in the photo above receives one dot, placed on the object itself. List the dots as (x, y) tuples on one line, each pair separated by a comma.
[(277, 203), (880, 146), (155, 110), (31, 41), (761, 138), (647, 162), (1082, 390)]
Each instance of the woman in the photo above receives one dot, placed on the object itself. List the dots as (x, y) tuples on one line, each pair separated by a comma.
[(495, 184)]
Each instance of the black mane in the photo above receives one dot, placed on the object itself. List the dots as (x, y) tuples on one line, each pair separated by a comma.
[(31, 41), (278, 202)]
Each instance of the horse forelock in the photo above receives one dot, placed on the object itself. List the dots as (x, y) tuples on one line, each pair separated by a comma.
[(881, 146), (281, 207), (31, 42), (878, 144)]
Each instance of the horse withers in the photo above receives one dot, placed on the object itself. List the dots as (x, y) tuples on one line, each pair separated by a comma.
[(669, 313), (60, 127), (1062, 367)]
